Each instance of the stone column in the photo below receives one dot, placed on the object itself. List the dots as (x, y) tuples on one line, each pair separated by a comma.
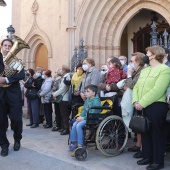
[(71, 28)]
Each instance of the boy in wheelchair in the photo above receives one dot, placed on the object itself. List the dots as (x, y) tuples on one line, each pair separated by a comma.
[(76, 135)]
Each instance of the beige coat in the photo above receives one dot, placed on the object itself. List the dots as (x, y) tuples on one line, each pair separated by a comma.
[(63, 89)]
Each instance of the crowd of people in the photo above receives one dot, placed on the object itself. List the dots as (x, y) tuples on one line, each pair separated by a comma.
[(141, 86)]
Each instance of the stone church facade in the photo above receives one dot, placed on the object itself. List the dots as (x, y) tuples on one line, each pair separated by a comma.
[(109, 28)]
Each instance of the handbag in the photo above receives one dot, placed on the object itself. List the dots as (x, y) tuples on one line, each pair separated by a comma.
[(139, 123), (31, 93), (58, 99), (168, 116)]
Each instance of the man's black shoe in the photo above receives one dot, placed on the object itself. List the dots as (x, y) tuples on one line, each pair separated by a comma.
[(56, 129), (30, 124), (64, 132), (138, 154), (155, 166), (134, 149), (34, 125), (17, 146), (4, 151), (47, 126), (61, 130), (144, 162)]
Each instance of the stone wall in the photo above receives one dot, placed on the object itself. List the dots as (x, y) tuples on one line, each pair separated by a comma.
[(60, 25)]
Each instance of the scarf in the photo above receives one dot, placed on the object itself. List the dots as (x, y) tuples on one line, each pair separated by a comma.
[(76, 80)]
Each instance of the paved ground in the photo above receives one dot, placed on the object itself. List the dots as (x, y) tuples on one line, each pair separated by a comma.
[(43, 149)]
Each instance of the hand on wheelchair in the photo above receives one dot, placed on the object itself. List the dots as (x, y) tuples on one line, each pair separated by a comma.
[(79, 119)]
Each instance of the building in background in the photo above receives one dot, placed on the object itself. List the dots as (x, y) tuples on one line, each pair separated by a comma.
[(109, 27)]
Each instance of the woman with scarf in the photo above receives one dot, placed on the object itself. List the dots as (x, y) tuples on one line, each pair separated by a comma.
[(76, 83)]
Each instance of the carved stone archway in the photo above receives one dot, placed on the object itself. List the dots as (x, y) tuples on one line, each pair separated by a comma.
[(35, 39), (101, 23)]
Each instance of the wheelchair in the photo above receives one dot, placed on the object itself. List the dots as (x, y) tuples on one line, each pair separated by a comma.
[(107, 131)]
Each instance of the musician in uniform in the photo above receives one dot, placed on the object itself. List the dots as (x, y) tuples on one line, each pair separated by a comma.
[(10, 104)]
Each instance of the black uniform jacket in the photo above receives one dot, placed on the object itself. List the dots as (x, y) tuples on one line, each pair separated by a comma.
[(13, 92)]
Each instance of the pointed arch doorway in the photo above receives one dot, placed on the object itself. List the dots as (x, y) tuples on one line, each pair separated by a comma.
[(136, 34), (41, 57)]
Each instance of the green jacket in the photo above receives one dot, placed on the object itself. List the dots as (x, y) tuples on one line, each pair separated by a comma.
[(88, 104), (152, 85)]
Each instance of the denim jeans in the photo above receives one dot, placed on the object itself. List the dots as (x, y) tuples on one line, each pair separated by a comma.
[(77, 132)]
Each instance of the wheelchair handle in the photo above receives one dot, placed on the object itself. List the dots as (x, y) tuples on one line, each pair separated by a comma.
[(101, 107)]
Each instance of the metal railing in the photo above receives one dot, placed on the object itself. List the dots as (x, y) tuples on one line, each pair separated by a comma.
[(163, 40), (79, 55)]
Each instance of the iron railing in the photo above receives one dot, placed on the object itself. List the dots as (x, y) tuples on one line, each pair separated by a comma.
[(163, 40), (79, 55)]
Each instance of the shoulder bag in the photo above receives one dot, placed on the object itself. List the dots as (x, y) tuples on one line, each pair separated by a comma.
[(59, 98), (139, 123), (31, 93)]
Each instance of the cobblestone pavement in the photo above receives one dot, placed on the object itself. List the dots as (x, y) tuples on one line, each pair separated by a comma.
[(43, 149)]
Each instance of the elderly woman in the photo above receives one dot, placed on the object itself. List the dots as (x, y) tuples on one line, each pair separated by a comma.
[(38, 74), (45, 94), (63, 106), (149, 96), (33, 86), (76, 83), (55, 87), (134, 70), (92, 75)]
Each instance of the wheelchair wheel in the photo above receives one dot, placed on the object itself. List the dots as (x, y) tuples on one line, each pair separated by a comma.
[(81, 154), (111, 136)]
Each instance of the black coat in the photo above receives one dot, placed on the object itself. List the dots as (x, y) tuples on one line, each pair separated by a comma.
[(37, 83), (1, 63), (13, 92)]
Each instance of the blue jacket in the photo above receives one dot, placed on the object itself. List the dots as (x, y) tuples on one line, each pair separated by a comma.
[(88, 104)]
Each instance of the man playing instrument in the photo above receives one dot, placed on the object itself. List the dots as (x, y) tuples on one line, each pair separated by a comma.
[(10, 104)]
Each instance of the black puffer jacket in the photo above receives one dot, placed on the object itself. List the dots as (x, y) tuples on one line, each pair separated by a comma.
[(30, 88)]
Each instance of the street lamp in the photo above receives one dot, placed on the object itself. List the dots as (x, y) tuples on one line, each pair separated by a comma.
[(2, 3), (10, 31)]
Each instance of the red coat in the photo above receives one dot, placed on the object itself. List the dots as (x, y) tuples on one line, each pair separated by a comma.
[(114, 75)]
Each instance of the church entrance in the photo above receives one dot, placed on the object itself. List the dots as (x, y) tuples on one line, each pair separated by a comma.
[(41, 58), (136, 35)]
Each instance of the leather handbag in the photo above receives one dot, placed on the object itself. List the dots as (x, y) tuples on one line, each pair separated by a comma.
[(31, 93), (168, 117), (57, 99), (139, 123)]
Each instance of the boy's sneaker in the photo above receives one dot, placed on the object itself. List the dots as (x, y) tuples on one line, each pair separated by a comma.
[(72, 146)]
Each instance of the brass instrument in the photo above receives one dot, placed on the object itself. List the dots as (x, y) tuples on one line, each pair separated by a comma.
[(2, 3), (13, 65)]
